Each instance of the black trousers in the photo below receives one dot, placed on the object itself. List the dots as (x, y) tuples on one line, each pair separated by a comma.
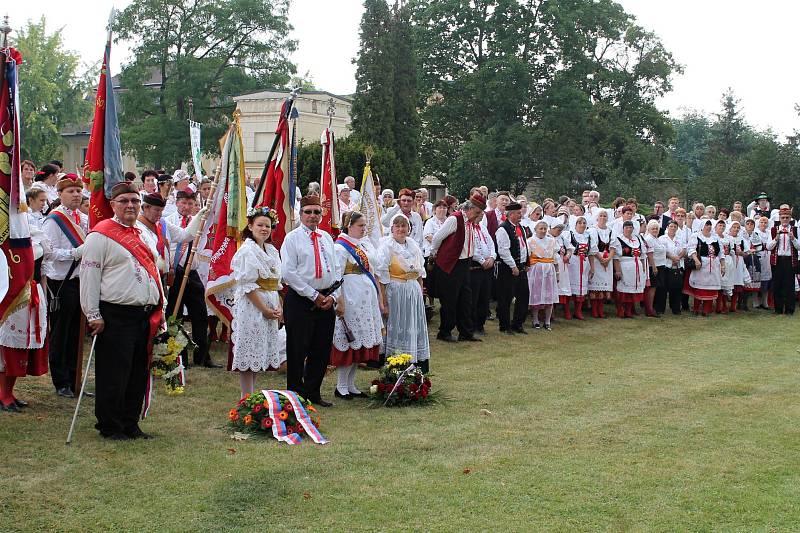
[(509, 287), (674, 295), (480, 281), (121, 371), (194, 298), (64, 331), (783, 285), (455, 298), (309, 335), (660, 297)]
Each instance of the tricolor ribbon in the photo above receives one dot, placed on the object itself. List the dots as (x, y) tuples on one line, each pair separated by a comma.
[(279, 429)]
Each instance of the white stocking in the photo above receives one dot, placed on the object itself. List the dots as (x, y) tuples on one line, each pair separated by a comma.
[(351, 380), (342, 374)]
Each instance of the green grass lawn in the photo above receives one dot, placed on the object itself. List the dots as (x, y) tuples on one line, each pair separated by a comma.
[(693, 426)]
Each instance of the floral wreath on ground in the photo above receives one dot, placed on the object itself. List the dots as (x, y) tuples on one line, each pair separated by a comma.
[(280, 414), (401, 383), (167, 362)]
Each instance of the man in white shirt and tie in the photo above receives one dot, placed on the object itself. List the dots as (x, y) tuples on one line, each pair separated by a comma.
[(785, 261), (308, 263)]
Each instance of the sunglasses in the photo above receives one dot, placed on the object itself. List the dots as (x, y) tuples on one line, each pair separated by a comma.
[(312, 211), (126, 201)]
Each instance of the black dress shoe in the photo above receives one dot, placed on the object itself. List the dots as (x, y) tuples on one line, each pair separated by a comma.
[(321, 402), (66, 392), (11, 408), (507, 331), (118, 436), (211, 364), (338, 394), (468, 338), (20, 403), (446, 338), (138, 434), (361, 394), (519, 330), (88, 394)]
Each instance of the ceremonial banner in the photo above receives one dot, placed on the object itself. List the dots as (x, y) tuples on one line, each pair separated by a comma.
[(277, 189), (331, 218), (104, 156), (226, 219), (194, 139), (370, 208), (16, 265)]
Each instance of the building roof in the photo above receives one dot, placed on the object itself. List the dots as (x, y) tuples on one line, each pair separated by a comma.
[(268, 94)]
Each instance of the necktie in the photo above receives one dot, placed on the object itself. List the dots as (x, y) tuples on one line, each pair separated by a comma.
[(184, 221), (503, 217), (317, 259), (77, 216)]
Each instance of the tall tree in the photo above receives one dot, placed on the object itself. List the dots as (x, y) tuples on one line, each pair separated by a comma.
[(384, 112), (52, 91), (206, 50)]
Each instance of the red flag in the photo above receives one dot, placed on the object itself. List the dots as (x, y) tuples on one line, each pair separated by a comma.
[(331, 218), (16, 265), (103, 156), (277, 192)]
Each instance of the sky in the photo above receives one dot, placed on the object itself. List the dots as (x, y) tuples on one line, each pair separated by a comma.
[(720, 43)]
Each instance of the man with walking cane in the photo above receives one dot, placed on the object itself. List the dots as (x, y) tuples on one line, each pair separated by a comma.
[(123, 300)]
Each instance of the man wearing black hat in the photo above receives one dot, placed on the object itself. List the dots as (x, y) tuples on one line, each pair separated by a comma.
[(759, 207), (512, 280), (194, 295), (308, 264)]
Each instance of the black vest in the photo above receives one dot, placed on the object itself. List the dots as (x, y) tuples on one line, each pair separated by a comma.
[(703, 247), (514, 240)]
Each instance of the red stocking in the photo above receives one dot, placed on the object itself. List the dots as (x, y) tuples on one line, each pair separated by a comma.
[(707, 307), (578, 308), (567, 314), (6, 387)]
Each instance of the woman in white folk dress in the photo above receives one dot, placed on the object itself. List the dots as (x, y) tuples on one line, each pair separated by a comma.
[(601, 284), (257, 307), (564, 250), (752, 263), (630, 269), (401, 269), (739, 250), (727, 278), (357, 334), (581, 268), (765, 256), (656, 291), (543, 274), (705, 253)]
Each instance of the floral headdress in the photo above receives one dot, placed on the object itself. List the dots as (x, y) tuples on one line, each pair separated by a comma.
[(253, 212)]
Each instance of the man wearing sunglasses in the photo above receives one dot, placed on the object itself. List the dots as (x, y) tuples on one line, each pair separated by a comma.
[(308, 264)]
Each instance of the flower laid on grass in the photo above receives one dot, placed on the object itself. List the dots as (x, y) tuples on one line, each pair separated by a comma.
[(401, 383), (252, 415), (166, 365)]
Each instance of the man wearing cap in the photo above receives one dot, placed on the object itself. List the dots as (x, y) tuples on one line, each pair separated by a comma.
[(194, 295), (512, 280), (66, 229), (158, 233), (785, 261), (453, 248), (123, 299), (308, 263)]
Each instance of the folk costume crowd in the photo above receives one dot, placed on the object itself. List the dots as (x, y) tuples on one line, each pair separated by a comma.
[(347, 300)]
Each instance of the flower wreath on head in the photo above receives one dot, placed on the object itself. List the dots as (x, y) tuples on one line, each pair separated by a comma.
[(253, 212)]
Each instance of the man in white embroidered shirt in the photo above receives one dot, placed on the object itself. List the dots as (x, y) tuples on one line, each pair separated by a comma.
[(123, 300), (308, 264)]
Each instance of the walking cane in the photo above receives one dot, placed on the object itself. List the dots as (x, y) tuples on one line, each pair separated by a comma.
[(80, 396)]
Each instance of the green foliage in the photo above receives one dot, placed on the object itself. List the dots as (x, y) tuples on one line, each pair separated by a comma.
[(52, 91), (384, 113), (562, 90), (206, 50)]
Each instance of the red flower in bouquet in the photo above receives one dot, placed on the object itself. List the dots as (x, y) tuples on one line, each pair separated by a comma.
[(376, 382), (257, 408), (381, 388), (413, 387), (233, 415), (283, 415), (288, 408), (266, 423), (427, 382)]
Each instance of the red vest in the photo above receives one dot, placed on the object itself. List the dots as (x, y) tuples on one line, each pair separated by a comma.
[(492, 223), (451, 246)]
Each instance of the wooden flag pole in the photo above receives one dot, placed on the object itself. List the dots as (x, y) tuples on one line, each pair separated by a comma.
[(212, 196)]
